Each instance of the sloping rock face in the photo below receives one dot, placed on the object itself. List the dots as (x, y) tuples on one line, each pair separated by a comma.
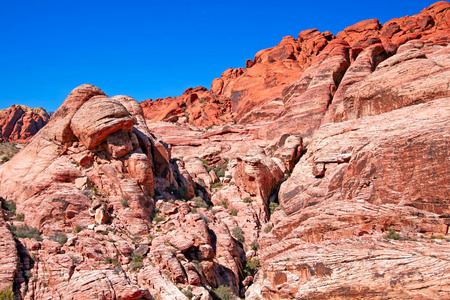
[(9, 258), (370, 109), (328, 180), (20, 123), (377, 175), (85, 223)]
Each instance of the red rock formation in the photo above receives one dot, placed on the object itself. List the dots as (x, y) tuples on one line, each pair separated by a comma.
[(377, 175), (19, 123), (9, 259), (260, 92), (348, 134)]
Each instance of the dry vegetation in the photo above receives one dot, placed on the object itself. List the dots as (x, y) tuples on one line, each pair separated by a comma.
[(8, 150)]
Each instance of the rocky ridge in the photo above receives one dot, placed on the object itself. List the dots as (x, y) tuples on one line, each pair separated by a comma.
[(19, 123), (333, 183)]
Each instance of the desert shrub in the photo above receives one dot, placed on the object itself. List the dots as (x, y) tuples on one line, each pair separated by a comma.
[(223, 293), (188, 292), (216, 185), (273, 206), (197, 265), (157, 193), (26, 232), (136, 262), (113, 261), (251, 266), (254, 245), (59, 237), (393, 235), (158, 219), (9, 205), (224, 204), (20, 217), (78, 228), (5, 159), (94, 190), (238, 234), (247, 200), (268, 228), (234, 212), (220, 172), (7, 294), (124, 202), (200, 202), (205, 218)]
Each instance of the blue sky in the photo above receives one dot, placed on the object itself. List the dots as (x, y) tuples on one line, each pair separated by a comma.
[(152, 49)]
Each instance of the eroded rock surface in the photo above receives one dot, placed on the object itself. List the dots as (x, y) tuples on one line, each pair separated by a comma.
[(20, 123), (318, 171)]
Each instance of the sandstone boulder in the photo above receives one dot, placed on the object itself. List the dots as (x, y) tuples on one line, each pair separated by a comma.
[(98, 118)]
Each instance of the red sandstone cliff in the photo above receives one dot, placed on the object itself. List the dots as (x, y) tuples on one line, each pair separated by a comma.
[(332, 184), (19, 123), (268, 89)]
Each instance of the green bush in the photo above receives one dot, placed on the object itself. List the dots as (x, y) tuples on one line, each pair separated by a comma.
[(223, 293), (20, 217), (220, 172), (234, 212), (200, 202), (197, 265), (158, 219), (9, 205), (238, 234), (393, 235), (254, 245), (216, 185), (136, 262), (26, 232), (5, 159), (188, 292), (272, 207), (113, 261), (268, 228), (59, 237), (124, 202), (7, 294), (247, 200), (78, 228), (251, 266)]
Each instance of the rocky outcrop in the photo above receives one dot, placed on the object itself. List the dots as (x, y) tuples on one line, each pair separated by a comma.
[(83, 189), (261, 91), (377, 161), (322, 173), (20, 123), (417, 73), (370, 182), (9, 259)]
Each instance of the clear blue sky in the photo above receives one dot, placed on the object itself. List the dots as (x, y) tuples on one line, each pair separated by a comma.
[(152, 49)]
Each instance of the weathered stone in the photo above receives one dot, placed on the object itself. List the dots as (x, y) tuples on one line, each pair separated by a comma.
[(119, 144), (98, 118)]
